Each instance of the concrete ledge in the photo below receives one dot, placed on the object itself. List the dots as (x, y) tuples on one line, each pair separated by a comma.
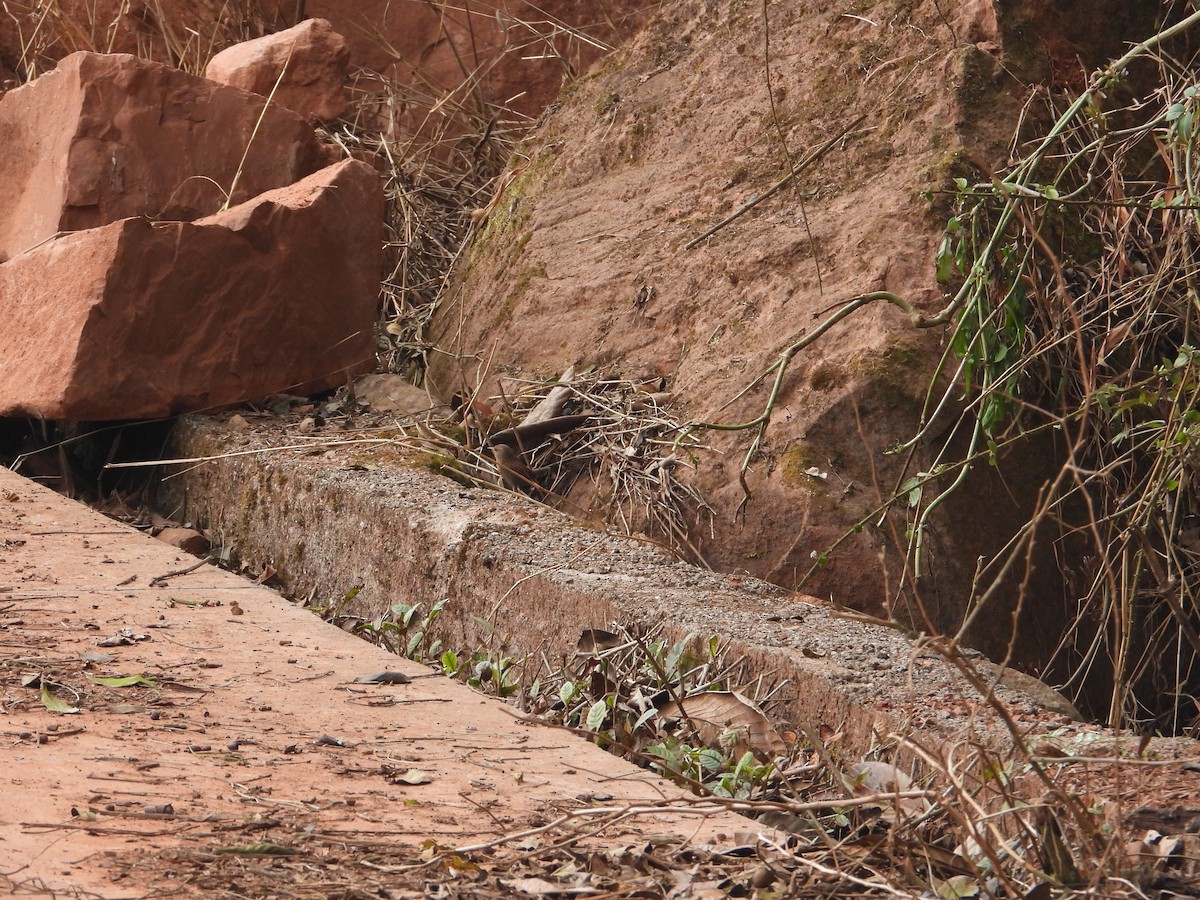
[(330, 517)]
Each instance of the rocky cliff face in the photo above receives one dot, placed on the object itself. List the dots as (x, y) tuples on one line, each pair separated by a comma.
[(594, 254), (589, 257)]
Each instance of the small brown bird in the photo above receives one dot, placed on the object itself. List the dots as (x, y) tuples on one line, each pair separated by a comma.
[(515, 473)]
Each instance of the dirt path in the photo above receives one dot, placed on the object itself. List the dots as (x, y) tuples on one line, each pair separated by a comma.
[(249, 752)]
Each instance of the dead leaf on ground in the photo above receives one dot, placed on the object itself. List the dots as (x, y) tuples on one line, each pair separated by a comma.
[(408, 776), (56, 704), (873, 777), (119, 681), (540, 887), (957, 887), (716, 714), (596, 640), (256, 850), (383, 678), (122, 638)]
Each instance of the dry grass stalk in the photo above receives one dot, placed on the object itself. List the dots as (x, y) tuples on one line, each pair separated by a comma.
[(50, 29)]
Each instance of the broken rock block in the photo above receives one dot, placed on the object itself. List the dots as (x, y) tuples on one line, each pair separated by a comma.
[(106, 137), (302, 69), (138, 319)]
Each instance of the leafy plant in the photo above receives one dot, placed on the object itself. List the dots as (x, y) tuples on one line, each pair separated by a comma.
[(405, 632)]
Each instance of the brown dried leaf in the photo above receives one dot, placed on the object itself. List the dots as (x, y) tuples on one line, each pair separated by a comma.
[(716, 714), (596, 640)]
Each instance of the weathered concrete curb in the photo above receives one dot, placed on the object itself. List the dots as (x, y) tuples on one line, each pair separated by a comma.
[(330, 516)]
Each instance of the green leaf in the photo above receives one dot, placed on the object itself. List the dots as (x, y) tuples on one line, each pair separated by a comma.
[(711, 760), (54, 704), (995, 407), (945, 260), (671, 664), (413, 643), (120, 681), (1183, 125), (567, 692), (596, 715)]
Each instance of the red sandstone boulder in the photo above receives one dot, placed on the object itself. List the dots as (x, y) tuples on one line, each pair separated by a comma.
[(105, 137), (138, 319), (305, 66)]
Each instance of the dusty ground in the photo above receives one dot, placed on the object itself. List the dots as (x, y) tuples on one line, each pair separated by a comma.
[(251, 732)]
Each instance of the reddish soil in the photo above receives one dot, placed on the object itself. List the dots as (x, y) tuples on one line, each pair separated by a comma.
[(252, 732)]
